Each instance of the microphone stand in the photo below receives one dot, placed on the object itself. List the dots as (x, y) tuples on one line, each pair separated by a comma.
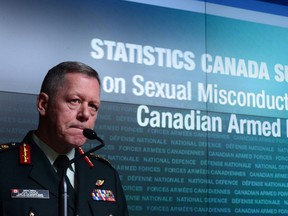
[(63, 204), (63, 189)]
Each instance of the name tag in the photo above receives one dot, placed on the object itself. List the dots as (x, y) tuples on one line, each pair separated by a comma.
[(30, 193)]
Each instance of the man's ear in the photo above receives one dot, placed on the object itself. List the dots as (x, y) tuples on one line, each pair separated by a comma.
[(42, 103)]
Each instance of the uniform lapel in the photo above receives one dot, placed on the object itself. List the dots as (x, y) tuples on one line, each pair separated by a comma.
[(42, 172), (85, 183)]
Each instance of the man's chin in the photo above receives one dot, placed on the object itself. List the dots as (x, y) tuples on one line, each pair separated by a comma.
[(77, 142)]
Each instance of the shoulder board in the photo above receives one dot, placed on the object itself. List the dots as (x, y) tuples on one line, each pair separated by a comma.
[(8, 146), (97, 157)]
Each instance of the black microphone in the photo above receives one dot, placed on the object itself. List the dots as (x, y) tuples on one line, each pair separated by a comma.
[(91, 135), (63, 201)]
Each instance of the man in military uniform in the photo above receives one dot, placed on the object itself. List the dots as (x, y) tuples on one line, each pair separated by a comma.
[(29, 184)]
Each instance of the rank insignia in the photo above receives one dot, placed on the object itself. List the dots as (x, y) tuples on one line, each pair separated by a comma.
[(25, 154), (88, 161), (99, 182), (31, 213), (103, 195), (4, 147)]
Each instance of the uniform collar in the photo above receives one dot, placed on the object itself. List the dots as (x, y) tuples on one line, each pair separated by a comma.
[(49, 152)]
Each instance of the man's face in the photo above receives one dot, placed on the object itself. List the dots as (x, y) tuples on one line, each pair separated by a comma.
[(74, 108)]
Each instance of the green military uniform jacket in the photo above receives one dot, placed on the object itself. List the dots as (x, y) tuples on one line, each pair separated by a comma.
[(29, 184)]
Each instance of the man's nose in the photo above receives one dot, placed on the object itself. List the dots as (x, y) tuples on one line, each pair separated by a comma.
[(83, 112)]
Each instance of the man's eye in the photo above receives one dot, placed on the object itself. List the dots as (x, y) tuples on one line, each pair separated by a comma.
[(94, 107), (75, 101)]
